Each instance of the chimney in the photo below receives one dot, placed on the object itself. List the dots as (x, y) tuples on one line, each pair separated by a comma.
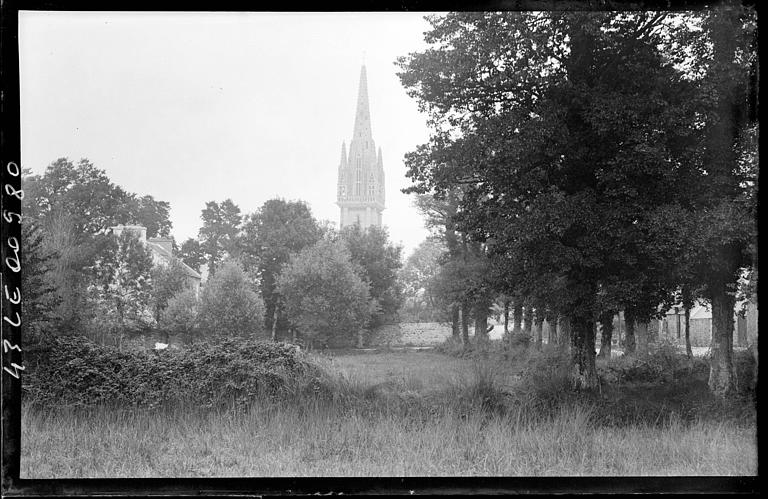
[(137, 230), (164, 242)]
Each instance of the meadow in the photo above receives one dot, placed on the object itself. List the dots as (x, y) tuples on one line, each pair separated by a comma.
[(410, 414)]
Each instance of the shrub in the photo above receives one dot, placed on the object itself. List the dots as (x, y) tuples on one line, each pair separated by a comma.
[(545, 381), (745, 369), (322, 293), (77, 371), (229, 305), (168, 280), (663, 363), (180, 314)]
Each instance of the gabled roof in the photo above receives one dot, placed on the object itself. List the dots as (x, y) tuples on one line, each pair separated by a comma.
[(167, 255)]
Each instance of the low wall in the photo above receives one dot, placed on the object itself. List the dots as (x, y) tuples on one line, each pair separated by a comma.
[(410, 333)]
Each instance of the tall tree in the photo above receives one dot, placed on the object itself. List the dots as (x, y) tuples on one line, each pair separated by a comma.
[(420, 303), (323, 294), (73, 203), (37, 285), (379, 260), (270, 235), (230, 304), (440, 212), (725, 212), (152, 214), (192, 254), (121, 284), (219, 235), (561, 129)]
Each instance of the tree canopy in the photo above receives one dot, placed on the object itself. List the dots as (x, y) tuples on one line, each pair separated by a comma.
[(573, 137), (323, 294)]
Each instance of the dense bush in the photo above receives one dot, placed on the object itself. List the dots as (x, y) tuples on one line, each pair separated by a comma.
[(745, 368), (230, 304), (663, 362), (545, 380), (77, 371), (180, 314), (323, 294)]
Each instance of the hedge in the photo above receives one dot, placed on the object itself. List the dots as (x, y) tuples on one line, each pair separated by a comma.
[(76, 371)]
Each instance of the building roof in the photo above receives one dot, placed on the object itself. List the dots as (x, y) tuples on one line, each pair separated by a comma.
[(167, 254), (702, 310)]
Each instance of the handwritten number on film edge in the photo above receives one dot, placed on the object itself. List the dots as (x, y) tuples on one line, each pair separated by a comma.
[(14, 264)]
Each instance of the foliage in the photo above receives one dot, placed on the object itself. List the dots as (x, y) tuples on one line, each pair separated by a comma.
[(77, 371), (545, 381), (121, 285), (73, 204), (80, 190), (323, 294), (379, 261), (230, 304), (219, 235), (270, 235), (664, 363), (573, 136), (167, 281), (180, 314), (420, 303), (152, 214), (39, 295), (192, 254)]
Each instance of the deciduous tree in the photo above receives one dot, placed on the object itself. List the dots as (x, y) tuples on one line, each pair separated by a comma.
[(230, 304), (323, 293)]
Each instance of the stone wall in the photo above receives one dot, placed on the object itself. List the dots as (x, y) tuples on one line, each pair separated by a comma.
[(410, 333)]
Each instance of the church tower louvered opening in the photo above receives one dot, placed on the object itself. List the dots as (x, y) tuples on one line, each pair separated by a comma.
[(360, 193)]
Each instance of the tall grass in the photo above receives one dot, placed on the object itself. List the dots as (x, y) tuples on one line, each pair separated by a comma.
[(289, 441), (469, 422)]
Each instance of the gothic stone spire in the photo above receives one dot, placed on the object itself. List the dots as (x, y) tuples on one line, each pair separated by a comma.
[(361, 173), (362, 129)]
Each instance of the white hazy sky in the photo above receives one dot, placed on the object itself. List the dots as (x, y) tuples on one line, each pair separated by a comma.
[(194, 107)]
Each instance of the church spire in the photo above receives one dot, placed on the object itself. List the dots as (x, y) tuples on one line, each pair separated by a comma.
[(361, 174), (343, 163), (362, 129)]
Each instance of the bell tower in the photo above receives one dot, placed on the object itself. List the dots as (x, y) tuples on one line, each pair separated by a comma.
[(360, 193)]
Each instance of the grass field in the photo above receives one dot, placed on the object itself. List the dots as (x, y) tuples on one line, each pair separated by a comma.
[(398, 414)]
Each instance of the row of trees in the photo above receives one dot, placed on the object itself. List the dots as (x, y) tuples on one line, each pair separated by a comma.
[(78, 277), (67, 213), (586, 163), (283, 237)]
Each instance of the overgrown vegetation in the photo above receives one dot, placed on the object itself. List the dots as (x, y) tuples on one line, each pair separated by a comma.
[(239, 372), (394, 414)]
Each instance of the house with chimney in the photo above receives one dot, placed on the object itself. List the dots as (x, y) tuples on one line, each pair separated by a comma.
[(162, 251)]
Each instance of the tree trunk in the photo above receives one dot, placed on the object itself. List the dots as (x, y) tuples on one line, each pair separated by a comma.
[(538, 329), (552, 321), (721, 374), (455, 324), (274, 325), (465, 325), (629, 336), (481, 325), (641, 337), (688, 349), (506, 318), (606, 335), (584, 376), (528, 321), (517, 318), (565, 333)]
